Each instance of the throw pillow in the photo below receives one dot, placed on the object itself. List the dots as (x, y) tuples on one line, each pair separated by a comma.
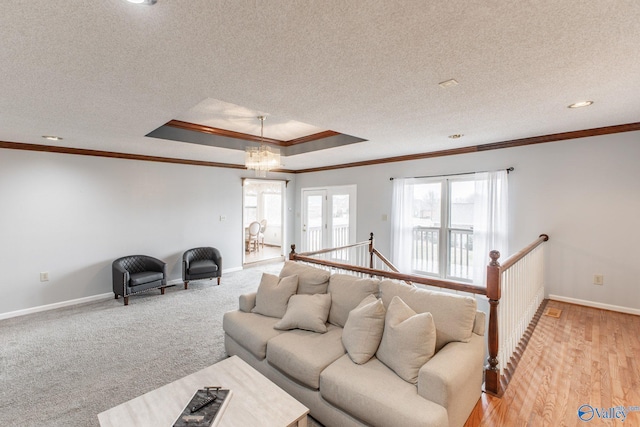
[(311, 280), (408, 340), (363, 330), (273, 295), (347, 291), (307, 312)]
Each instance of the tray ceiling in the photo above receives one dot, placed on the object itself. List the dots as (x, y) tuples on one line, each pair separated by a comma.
[(103, 75)]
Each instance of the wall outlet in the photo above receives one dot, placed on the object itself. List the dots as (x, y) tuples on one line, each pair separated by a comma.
[(44, 276), (223, 218), (598, 279)]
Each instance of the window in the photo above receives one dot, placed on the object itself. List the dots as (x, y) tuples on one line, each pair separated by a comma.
[(439, 223), (442, 248), (272, 208), (250, 207)]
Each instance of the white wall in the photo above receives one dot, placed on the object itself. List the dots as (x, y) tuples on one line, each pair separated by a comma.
[(584, 193), (73, 215)]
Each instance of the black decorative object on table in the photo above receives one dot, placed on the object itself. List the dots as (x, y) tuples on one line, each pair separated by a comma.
[(205, 407)]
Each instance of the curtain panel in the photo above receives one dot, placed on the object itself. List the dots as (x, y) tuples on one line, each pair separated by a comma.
[(490, 225)]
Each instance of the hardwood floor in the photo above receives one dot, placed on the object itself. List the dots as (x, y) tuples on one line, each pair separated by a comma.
[(263, 254), (586, 356)]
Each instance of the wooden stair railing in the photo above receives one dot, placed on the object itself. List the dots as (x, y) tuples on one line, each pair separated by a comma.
[(495, 383)]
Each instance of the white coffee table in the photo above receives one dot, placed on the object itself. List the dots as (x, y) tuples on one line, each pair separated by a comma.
[(256, 401)]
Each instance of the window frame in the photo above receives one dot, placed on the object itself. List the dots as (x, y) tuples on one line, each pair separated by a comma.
[(445, 270)]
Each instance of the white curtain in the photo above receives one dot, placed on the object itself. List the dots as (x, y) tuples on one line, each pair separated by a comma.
[(401, 227), (490, 225)]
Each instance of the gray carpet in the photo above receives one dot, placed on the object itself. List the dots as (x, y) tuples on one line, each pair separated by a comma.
[(63, 367)]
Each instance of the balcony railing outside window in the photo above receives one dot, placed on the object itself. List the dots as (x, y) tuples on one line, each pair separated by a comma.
[(426, 250)]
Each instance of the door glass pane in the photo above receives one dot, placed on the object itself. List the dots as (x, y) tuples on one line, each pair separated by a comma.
[(314, 222), (426, 213), (340, 215)]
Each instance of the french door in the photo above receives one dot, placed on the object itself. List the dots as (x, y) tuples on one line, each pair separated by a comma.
[(328, 217)]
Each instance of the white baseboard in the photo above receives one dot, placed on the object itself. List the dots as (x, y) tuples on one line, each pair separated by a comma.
[(55, 305), (610, 307), (92, 298)]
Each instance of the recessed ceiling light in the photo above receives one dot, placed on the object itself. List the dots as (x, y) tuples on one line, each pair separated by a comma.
[(149, 2), (52, 137), (448, 83), (456, 136), (581, 104)]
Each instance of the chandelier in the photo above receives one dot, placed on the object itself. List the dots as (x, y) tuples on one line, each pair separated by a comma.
[(262, 159)]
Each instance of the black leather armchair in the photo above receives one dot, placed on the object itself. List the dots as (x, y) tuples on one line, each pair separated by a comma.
[(138, 273), (201, 263)]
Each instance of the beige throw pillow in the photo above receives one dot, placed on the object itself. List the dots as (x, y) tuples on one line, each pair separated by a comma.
[(363, 330), (347, 291), (307, 312), (311, 280), (408, 340), (273, 295)]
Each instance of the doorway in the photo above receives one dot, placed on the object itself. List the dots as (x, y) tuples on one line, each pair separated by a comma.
[(264, 204), (328, 217)]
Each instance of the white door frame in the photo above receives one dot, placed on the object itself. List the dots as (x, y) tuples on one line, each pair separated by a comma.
[(327, 211), (283, 217)]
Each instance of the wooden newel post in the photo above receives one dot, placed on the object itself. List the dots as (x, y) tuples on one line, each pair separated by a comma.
[(292, 254), (370, 250), (492, 371)]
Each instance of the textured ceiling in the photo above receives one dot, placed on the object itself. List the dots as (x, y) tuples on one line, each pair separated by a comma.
[(104, 74)]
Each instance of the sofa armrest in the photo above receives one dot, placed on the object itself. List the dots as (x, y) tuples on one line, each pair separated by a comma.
[(453, 378), (247, 302)]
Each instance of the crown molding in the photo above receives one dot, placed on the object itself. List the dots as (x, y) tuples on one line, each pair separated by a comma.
[(607, 130), (629, 127), (248, 137), (126, 156)]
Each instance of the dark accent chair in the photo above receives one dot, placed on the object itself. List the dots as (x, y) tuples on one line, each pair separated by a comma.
[(138, 273), (201, 263)]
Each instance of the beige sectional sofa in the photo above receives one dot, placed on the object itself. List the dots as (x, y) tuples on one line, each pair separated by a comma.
[(362, 351)]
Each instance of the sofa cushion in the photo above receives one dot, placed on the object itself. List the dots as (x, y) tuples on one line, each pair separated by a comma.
[(363, 331), (202, 266), (374, 394), (453, 315), (408, 340), (252, 331), (307, 312), (311, 280), (143, 277), (273, 294), (302, 355), (347, 291)]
